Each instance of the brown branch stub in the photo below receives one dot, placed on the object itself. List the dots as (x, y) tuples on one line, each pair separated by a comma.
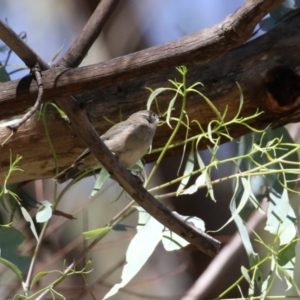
[(38, 77), (74, 56)]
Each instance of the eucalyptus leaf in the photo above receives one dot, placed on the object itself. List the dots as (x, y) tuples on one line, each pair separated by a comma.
[(10, 240), (102, 178), (138, 252), (3, 74), (44, 212), (28, 218), (189, 168), (97, 233)]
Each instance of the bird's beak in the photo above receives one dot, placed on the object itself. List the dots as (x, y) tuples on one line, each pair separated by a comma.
[(161, 118)]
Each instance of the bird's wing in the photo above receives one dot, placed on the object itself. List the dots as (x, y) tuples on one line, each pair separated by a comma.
[(116, 130)]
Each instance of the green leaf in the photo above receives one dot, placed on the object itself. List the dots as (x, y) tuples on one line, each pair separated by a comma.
[(28, 218), (245, 274), (189, 167), (282, 144), (281, 218), (3, 74), (10, 239), (100, 232), (287, 253), (252, 256), (235, 211), (103, 177), (153, 95), (170, 108), (143, 218), (13, 267), (138, 167), (44, 212), (38, 277), (138, 252), (53, 58)]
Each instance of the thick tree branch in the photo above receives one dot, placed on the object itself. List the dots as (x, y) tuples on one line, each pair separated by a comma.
[(202, 47), (76, 53), (252, 65)]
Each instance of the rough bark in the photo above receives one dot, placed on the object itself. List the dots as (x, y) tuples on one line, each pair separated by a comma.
[(266, 68)]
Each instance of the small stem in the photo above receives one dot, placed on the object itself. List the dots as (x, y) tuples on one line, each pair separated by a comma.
[(162, 154)]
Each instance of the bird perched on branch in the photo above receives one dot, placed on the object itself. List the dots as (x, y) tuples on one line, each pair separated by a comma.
[(129, 141)]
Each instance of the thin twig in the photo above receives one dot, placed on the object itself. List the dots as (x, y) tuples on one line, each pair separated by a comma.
[(76, 53), (37, 73), (43, 294)]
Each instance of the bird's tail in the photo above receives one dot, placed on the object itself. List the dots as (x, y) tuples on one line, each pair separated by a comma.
[(67, 174)]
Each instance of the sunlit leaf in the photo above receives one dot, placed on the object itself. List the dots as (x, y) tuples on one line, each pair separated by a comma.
[(44, 212), (153, 95), (245, 274), (100, 232), (28, 218), (281, 218), (252, 256), (138, 252), (102, 178), (189, 167)]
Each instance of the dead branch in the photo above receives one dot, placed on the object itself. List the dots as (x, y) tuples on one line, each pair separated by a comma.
[(199, 48)]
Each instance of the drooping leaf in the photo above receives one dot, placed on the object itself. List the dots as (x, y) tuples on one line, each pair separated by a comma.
[(252, 255), (189, 167), (13, 267), (103, 177), (153, 95), (28, 218), (138, 252)]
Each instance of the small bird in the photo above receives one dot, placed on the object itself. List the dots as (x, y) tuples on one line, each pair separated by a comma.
[(128, 140)]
